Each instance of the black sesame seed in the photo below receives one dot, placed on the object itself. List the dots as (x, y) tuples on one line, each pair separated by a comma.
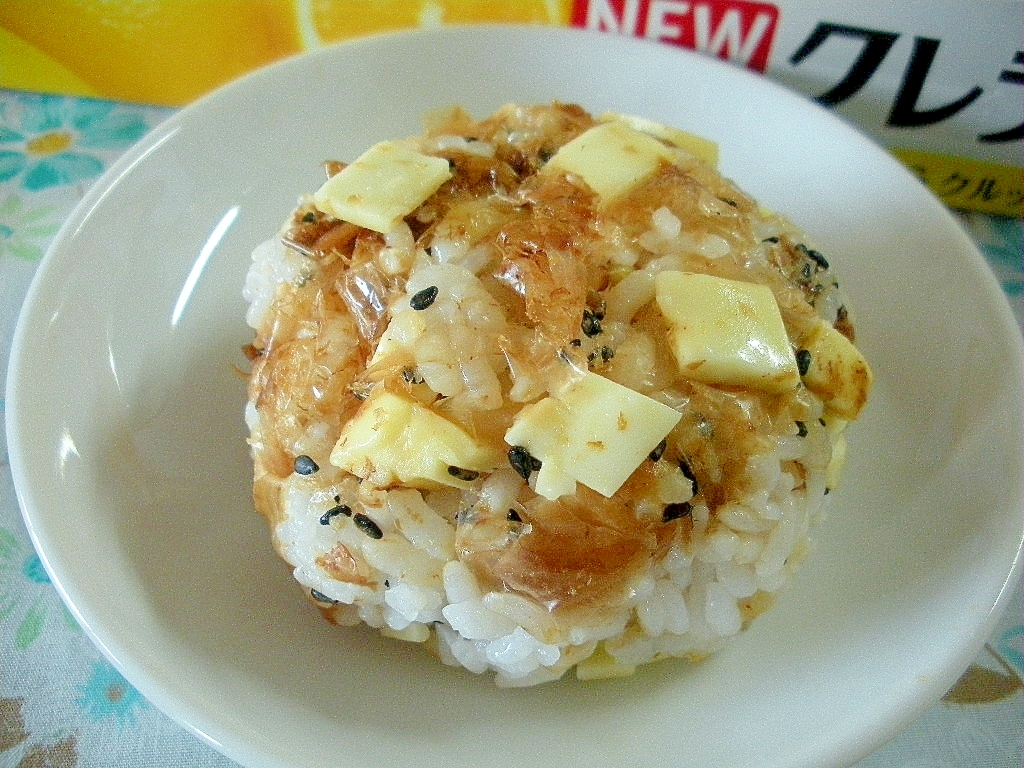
[(688, 474), (423, 299), (513, 516), (576, 343), (411, 377), (772, 239), (842, 313), (801, 429), (522, 462), (659, 451), (304, 465), (367, 526), (468, 475), (308, 217), (545, 154), (320, 597), (676, 511), (341, 509), (591, 324), (819, 261), (803, 361), (605, 353)]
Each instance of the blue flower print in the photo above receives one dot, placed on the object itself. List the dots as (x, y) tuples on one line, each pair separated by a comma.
[(52, 140), (1002, 243), (1010, 645), (108, 695)]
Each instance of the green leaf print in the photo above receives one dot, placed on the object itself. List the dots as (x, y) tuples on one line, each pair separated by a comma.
[(31, 626), (8, 545), (25, 232)]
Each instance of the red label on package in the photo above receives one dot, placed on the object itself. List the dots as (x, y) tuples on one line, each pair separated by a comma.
[(737, 31)]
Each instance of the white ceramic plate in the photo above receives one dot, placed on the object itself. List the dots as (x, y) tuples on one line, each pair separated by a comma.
[(128, 447)]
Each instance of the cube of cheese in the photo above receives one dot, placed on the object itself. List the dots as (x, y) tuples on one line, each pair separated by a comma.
[(611, 158), (834, 469), (392, 439), (401, 335), (600, 665), (726, 332), (838, 372), (553, 481), (596, 432), (703, 149), (382, 186)]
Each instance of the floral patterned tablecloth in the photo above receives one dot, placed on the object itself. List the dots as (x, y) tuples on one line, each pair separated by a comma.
[(62, 704)]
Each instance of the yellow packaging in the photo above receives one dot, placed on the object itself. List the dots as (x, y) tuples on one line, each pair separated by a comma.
[(940, 82)]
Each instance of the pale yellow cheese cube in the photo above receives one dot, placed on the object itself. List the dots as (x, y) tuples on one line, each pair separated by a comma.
[(611, 158), (834, 469), (392, 439), (703, 149), (600, 665), (401, 335), (553, 481), (382, 186), (838, 373), (541, 428), (596, 432), (726, 332), (835, 425)]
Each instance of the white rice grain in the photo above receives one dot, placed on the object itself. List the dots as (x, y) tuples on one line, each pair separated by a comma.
[(475, 622), (721, 611)]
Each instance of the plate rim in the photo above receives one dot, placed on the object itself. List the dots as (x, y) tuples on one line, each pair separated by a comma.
[(164, 131)]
